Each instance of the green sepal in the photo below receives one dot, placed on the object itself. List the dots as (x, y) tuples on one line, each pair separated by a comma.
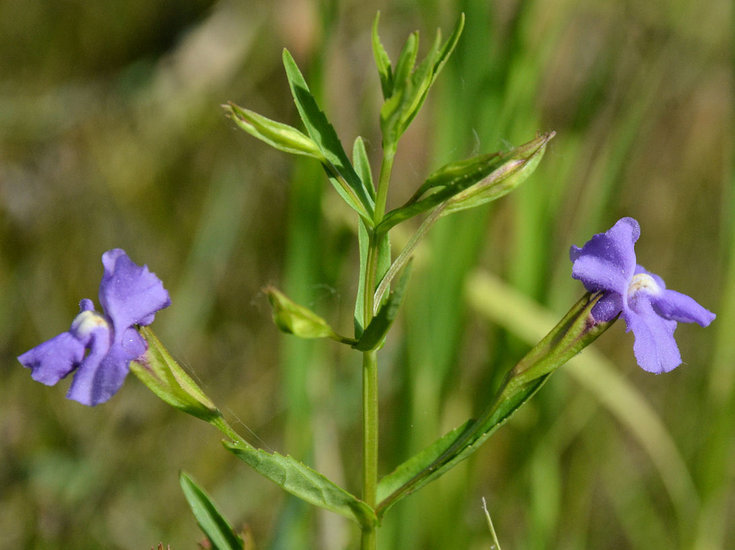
[(574, 332), (210, 520), (276, 134), (382, 61), (165, 377), (471, 182), (411, 84), (303, 482), (298, 320), (338, 167), (374, 335)]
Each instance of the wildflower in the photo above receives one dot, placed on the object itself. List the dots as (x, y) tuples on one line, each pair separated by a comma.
[(607, 264), (100, 346)]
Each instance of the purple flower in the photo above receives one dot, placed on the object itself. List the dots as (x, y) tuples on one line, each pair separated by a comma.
[(100, 347), (607, 264)]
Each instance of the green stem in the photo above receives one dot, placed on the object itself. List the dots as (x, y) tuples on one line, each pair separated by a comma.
[(370, 441), (369, 539)]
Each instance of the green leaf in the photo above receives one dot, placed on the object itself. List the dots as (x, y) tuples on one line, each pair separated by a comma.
[(411, 84), (383, 263), (276, 134), (472, 182), (338, 167), (375, 332), (164, 376), (210, 520), (426, 73), (298, 320), (417, 464), (382, 61), (303, 482), (362, 165), (574, 332)]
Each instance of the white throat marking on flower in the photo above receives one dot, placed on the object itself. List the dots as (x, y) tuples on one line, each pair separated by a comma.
[(644, 282), (87, 321)]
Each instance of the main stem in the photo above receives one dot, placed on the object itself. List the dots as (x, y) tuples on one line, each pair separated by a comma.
[(369, 539)]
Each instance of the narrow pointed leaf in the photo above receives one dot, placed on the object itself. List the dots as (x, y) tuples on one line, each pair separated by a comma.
[(210, 520), (482, 179), (382, 61), (375, 332), (383, 263), (276, 134), (303, 482), (362, 165), (339, 169), (574, 332)]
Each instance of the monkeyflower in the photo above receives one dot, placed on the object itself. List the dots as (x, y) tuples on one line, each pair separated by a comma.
[(100, 346), (607, 264)]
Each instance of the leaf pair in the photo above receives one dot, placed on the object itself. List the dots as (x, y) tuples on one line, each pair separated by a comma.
[(405, 87), (321, 143)]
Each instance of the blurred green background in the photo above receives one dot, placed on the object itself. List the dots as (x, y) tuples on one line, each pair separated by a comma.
[(111, 135)]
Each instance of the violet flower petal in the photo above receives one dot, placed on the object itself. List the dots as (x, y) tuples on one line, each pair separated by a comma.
[(129, 293), (607, 260), (654, 347), (54, 359), (99, 376), (682, 308)]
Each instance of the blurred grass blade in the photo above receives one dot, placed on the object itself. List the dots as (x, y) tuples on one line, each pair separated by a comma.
[(212, 523), (382, 61), (339, 169), (303, 482), (375, 332), (276, 134)]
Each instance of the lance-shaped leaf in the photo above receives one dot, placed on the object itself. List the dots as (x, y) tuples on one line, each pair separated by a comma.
[(165, 377), (575, 331), (338, 167), (472, 182), (382, 263), (298, 320), (210, 520), (276, 134), (303, 482), (373, 336), (410, 85), (382, 61)]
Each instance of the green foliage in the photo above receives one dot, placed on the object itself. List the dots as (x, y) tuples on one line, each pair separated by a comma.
[(276, 134), (298, 320), (338, 167), (215, 526), (303, 482), (405, 89), (374, 335), (164, 377)]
